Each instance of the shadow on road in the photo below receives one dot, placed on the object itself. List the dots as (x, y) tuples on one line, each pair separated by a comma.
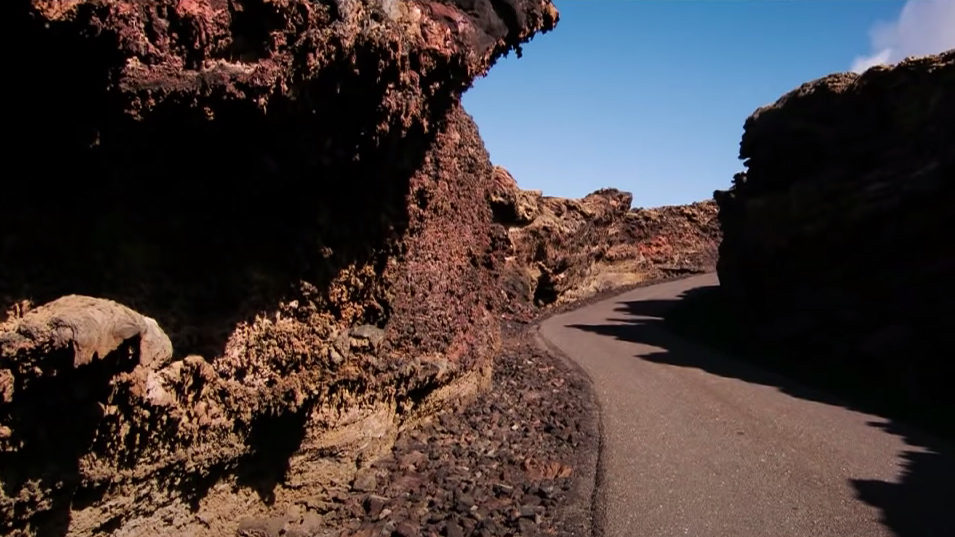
[(920, 504)]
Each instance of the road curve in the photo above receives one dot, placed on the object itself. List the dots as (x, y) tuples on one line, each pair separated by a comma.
[(690, 448)]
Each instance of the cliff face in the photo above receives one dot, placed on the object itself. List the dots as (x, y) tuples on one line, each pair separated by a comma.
[(836, 239), (289, 198), (564, 250)]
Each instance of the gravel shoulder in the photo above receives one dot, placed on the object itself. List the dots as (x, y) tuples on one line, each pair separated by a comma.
[(519, 458)]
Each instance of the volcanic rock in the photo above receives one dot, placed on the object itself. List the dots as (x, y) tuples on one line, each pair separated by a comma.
[(564, 250), (482, 468), (836, 245), (292, 192)]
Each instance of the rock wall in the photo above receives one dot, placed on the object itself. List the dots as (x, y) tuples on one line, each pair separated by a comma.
[(836, 238), (564, 250), (290, 191)]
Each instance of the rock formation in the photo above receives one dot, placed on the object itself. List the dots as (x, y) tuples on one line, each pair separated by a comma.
[(564, 250), (835, 236), (266, 221)]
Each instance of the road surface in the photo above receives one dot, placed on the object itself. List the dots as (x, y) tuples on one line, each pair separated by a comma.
[(698, 444)]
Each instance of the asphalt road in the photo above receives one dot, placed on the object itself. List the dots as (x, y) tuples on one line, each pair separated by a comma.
[(696, 443)]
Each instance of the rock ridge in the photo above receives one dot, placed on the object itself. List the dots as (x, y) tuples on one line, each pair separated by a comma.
[(561, 251), (248, 245), (835, 246)]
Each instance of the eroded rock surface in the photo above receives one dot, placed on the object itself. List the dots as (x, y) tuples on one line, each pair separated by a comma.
[(508, 463), (565, 250), (291, 190), (836, 238)]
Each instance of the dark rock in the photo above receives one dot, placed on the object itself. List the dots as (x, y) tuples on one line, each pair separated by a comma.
[(478, 514), (412, 459), (353, 507), (527, 526), (546, 490), (375, 504), (836, 258), (464, 502), (460, 487), (503, 489), (452, 529), (407, 529)]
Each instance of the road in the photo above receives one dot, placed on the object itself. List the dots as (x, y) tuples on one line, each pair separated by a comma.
[(696, 443)]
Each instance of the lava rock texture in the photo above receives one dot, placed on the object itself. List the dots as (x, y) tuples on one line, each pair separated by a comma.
[(835, 239), (267, 222), (562, 251), (519, 459)]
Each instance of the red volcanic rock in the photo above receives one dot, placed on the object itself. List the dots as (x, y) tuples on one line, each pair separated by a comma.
[(563, 250), (290, 189)]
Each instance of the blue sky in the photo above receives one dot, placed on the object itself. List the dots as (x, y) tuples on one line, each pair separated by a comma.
[(650, 96)]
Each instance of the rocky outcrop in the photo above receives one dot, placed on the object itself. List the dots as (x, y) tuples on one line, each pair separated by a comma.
[(836, 241), (518, 459), (565, 250), (290, 191)]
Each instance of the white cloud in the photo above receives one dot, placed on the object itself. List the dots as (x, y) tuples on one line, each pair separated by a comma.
[(923, 27)]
